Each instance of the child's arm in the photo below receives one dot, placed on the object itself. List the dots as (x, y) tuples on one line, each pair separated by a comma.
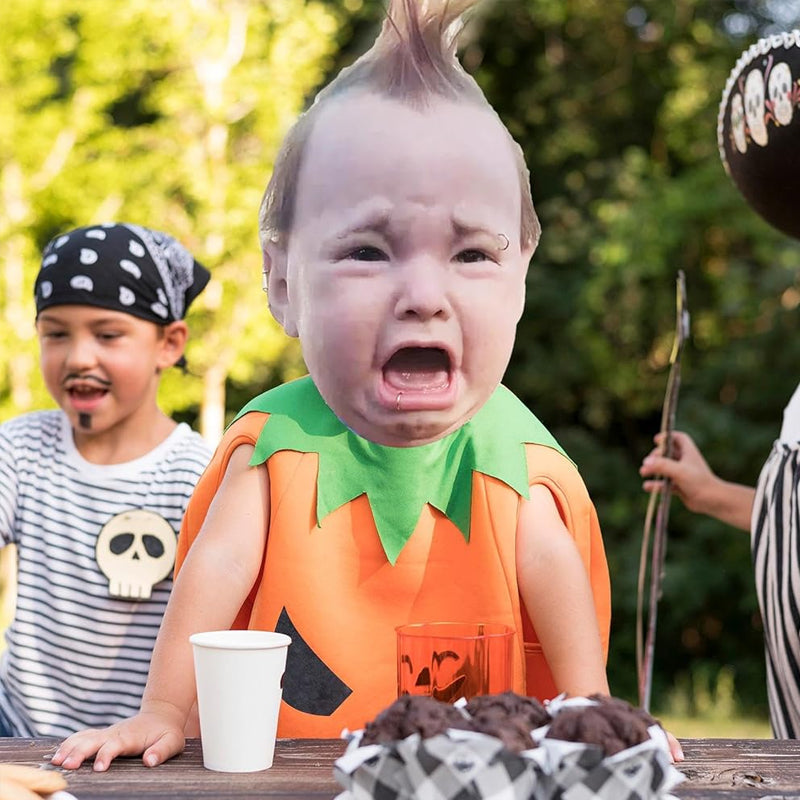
[(215, 580), (557, 595), (700, 489), (558, 598)]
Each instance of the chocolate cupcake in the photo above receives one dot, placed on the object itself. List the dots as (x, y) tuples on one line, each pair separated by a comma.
[(413, 714), (612, 724), (508, 716)]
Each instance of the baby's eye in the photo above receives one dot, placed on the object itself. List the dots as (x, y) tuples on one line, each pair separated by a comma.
[(367, 253), (108, 336), (472, 256)]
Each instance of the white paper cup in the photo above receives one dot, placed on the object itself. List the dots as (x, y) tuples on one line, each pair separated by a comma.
[(239, 685)]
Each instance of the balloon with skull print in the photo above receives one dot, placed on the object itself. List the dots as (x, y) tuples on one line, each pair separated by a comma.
[(758, 129), (135, 550)]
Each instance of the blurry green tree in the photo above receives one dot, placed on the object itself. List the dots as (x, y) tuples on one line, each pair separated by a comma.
[(165, 114), (615, 105)]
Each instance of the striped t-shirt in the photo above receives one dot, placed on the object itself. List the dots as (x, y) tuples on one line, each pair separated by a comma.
[(93, 545)]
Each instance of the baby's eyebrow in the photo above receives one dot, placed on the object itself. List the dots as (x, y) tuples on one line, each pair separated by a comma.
[(378, 222), (464, 229)]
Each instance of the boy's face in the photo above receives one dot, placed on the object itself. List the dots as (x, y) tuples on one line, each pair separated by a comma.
[(403, 274), (102, 366)]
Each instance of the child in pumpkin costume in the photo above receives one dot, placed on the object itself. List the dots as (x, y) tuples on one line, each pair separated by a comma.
[(400, 482)]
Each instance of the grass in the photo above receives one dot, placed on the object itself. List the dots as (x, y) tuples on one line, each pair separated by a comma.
[(716, 727), (703, 704)]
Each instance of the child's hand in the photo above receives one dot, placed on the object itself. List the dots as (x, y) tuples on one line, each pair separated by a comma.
[(700, 489), (687, 469), (675, 749), (157, 735)]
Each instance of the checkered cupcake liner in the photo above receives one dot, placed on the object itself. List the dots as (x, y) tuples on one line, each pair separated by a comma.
[(462, 765), (576, 771), (458, 765)]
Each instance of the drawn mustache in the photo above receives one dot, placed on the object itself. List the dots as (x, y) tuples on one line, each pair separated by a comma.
[(101, 383)]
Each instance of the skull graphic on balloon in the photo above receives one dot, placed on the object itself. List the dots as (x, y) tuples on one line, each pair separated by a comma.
[(758, 128)]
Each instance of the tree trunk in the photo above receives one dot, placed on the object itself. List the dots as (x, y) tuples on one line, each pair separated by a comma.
[(212, 415)]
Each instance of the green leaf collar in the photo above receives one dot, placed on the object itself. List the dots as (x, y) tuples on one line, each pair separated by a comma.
[(398, 481)]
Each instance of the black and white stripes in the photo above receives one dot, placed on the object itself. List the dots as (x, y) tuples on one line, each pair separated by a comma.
[(776, 560), (77, 657)]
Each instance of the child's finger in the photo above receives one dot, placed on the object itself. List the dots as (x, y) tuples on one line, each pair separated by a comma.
[(170, 743), (72, 752), (675, 749), (119, 745), (35, 779), (652, 465), (11, 790)]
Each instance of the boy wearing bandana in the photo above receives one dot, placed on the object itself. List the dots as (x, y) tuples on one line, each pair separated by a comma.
[(399, 482), (93, 493)]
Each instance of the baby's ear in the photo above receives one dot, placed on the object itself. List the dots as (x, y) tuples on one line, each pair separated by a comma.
[(526, 256), (275, 266)]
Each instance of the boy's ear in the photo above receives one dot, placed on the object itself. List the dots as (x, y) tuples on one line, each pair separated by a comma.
[(275, 269), (173, 343)]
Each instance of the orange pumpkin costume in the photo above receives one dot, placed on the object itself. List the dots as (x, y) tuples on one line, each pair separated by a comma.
[(330, 580)]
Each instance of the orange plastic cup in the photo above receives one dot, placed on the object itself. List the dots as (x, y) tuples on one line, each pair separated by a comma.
[(450, 660)]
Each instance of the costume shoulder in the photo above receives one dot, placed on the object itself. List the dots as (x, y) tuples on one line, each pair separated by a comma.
[(501, 433), (549, 464), (299, 420), (299, 397), (244, 430), (293, 404)]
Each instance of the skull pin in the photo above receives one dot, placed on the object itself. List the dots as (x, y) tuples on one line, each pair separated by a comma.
[(135, 550)]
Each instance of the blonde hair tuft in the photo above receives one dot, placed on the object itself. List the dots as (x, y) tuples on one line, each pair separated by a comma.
[(413, 60)]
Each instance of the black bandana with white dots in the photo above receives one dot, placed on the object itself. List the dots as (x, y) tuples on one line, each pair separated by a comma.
[(122, 267)]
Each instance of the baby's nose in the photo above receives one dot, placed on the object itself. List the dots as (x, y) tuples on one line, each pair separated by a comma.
[(422, 290)]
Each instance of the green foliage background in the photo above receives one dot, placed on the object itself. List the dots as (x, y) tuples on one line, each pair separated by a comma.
[(150, 113), (615, 105)]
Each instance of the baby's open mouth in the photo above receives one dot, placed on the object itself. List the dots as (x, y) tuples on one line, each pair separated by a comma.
[(418, 369)]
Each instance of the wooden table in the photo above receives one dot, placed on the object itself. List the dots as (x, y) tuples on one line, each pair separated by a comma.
[(716, 769)]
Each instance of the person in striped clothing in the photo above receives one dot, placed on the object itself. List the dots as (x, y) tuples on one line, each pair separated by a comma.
[(92, 493), (769, 512)]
